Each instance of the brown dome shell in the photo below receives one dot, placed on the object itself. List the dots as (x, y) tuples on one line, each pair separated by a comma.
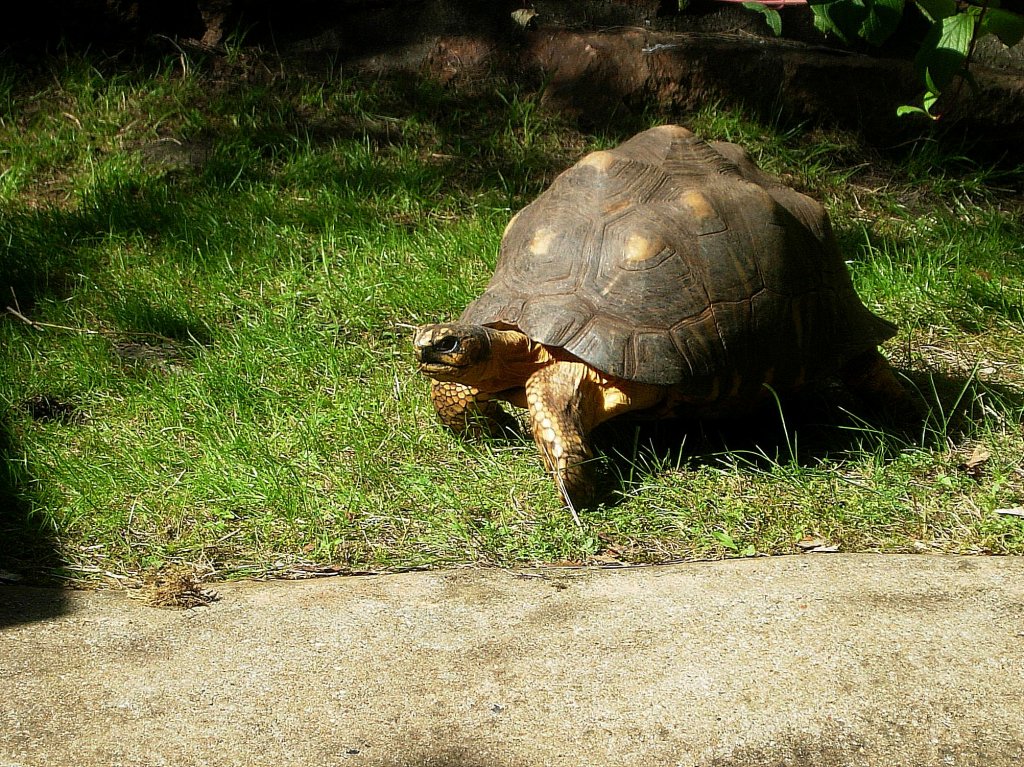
[(673, 261)]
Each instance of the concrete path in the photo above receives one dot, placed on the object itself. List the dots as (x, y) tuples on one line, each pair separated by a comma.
[(820, 660)]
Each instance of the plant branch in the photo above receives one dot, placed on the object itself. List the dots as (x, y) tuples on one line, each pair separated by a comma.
[(84, 331)]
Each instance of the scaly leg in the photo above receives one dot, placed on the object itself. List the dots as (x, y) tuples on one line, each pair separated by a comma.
[(469, 412), (560, 428)]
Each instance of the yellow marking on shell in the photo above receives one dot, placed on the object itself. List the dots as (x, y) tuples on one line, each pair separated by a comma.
[(558, 452), (639, 248), (548, 434), (541, 242), (546, 423), (601, 160), (697, 204), (674, 130)]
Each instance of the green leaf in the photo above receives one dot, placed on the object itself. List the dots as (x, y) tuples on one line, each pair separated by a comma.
[(944, 50), (725, 540), (771, 16), (937, 10), (872, 20), (907, 109), (1006, 25), (883, 16), (957, 32), (841, 18)]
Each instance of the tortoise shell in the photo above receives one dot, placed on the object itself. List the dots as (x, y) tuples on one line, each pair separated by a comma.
[(673, 261)]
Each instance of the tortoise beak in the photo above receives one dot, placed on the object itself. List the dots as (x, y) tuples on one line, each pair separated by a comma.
[(433, 361), (429, 356)]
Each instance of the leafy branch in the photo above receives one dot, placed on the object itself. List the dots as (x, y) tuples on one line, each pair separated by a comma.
[(946, 51)]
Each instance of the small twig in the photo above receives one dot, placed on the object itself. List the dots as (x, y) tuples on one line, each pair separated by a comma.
[(44, 325), (86, 331)]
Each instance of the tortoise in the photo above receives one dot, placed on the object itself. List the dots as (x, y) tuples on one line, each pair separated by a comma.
[(668, 275)]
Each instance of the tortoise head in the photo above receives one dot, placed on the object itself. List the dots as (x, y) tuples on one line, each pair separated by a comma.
[(452, 352)]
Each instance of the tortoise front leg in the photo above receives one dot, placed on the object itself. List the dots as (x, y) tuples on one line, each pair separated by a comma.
[(560, 428), (469, 412)]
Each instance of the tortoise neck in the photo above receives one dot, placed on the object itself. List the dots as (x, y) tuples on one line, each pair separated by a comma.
[(514, 357)]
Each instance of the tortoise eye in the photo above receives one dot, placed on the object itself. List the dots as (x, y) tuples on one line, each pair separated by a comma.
[(447, 345)]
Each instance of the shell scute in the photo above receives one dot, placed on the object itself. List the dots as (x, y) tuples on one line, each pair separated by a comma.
[(558, 318)]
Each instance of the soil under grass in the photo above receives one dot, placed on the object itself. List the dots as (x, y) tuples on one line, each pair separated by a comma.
[(212, 265)]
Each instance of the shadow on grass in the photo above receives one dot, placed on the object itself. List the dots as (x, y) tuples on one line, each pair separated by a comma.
[(46, 252), (28, 549), (186, 204), (826, 424)]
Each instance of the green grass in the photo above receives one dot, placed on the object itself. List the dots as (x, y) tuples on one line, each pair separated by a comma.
[(221, 267)]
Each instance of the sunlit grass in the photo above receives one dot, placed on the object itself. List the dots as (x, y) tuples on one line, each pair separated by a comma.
[(214, 281)]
